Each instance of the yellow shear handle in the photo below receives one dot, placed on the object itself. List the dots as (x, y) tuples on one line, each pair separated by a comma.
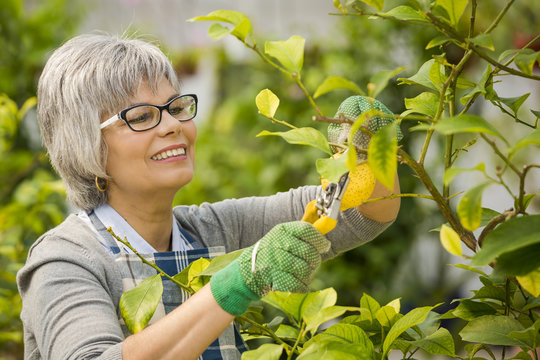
[(324, 224)]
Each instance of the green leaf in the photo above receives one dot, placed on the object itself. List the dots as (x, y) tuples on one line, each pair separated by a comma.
[(451, 173), (290, 53), (220, 262), (378, 4), (437, 76), (314, 320), (412, 318), (242, 30), (469, 209), (406, 13), (382, 153), (530, 337), (469, 268), (466, 123), (531, 282), (344, 334), (515, 103), (483, 40), (454, 9), (450, 241), (228, 16), (242, 24), (426, 103), (525, 60), (303, 136), (479, 88), (421, 77), (532, 139), (302, 305), (264, 352), (536, 113), (217, 31), (367, 302), (507, 53), (438, 343), (289, 303), (379, 80), (335, 350), (386, 316), (436, 41), (267, 102), (331, 168), (347, 333), (523, 231), (314, 305), (336, 82), (470, 310), (197, 267), (287, 332), (138, 305), (520, 262), (492, 330)]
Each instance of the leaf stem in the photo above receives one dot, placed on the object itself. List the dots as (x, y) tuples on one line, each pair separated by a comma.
[(157, 268), (280, 122), (298, 80), (266, 330), (295, 76), (301, 335), (500, 154), (466, 236)]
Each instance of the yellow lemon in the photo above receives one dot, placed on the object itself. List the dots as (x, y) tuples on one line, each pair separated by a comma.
[(361, 185)]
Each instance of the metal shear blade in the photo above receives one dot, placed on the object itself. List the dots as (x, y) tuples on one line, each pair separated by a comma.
[(329, 199)]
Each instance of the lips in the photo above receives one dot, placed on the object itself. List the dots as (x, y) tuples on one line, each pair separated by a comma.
[(170, 152)]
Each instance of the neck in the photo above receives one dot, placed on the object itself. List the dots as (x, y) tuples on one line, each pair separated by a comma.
[(150, 216)]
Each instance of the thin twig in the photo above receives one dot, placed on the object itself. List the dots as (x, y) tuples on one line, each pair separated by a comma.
[(393, 196), (264, 329), (493, 223), (154, 266), (341, 120)]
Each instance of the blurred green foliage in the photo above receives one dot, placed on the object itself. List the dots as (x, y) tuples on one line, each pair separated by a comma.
[(28, 31), (32, 201), (32, 198)]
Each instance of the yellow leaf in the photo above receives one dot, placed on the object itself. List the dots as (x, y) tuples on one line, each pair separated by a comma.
[(267, 102), (450, 241), (531, 282), (396, 304)]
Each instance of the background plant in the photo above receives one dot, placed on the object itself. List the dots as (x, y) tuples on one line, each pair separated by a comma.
[(444, 110)]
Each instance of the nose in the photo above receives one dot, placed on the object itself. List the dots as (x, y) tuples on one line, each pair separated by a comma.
[(168, 123)]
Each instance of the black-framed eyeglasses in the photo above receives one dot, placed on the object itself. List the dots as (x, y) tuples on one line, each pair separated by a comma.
[(147, 116)]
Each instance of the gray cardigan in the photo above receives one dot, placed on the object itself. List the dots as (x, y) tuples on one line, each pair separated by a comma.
[(71, 287)]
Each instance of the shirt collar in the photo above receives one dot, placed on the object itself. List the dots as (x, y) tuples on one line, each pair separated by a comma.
[(111, 218)]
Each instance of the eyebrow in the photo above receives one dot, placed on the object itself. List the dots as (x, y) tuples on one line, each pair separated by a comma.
[(143, 103)]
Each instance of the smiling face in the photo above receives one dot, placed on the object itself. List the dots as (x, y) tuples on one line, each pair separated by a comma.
[(150, 164)]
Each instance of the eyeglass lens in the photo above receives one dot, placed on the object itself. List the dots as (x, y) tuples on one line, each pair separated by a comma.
[(145, 117)]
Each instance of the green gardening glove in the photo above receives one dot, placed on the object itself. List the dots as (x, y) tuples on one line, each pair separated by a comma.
[(285, 259), (351, 108)]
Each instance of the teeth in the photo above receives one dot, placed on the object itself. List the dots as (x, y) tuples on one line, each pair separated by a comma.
[(166, 154)]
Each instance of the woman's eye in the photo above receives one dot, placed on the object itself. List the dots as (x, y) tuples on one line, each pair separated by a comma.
[(175, 110), (140, 118)]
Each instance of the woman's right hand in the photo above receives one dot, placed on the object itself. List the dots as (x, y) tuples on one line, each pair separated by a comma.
[(285, 259)]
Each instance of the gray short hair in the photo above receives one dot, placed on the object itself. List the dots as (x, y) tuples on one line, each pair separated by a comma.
[(85, 79)]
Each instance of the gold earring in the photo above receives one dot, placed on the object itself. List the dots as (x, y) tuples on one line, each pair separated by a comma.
[(98, 187)]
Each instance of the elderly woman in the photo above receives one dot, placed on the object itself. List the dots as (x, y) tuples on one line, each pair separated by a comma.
[(121, 135)]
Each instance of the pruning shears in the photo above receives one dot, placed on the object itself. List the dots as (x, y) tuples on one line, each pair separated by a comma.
[(324, 210)]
